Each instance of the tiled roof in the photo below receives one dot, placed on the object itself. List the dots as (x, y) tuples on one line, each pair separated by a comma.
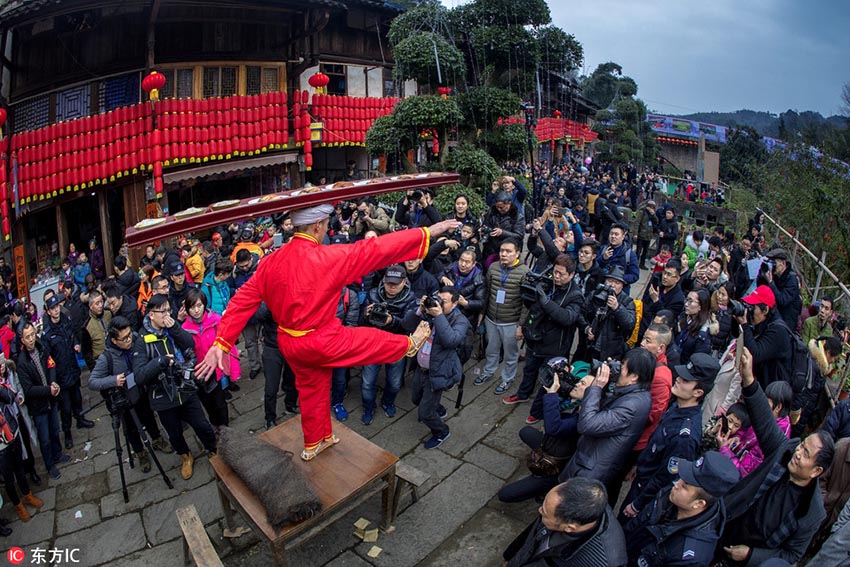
[(12, 10)]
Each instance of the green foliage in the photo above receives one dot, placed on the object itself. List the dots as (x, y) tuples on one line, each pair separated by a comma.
[(517, 13), (621, 123), (811, 194), (483, 106), (508, 142), (558, 50), (445, 199), (475, 166), (417, 112), (414, 57), (601, 85), (386, 137), (425, 17), (742, 158)]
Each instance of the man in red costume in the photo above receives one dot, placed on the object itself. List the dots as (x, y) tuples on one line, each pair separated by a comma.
[(301, 284)]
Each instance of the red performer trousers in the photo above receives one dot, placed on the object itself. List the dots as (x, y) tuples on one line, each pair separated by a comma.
[(314, 355)]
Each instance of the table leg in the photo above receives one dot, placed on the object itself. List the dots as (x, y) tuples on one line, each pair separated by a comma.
[(278, 553), (226, 507), (387, 498)]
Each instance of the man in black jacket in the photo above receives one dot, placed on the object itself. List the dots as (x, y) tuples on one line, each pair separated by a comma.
[(668, 230), (549, 328), (767, 337), (776, 509), (163, 356), (422, 282), (395, 294), (783, 281), (127, 279), (439, 364), (575, 528), (63, 347), (504, 222), (37, 373), (279, 375), (682, 524), (610, 322), (667, 295), (123, 305)]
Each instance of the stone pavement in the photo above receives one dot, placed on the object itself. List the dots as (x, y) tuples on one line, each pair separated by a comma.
[(457, 520)]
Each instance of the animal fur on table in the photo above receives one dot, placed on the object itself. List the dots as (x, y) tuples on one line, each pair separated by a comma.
[(271, 475)]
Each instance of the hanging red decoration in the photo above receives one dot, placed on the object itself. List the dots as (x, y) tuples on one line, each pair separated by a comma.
[(319, 81), (152, 84), (444, 91), (557, 114)]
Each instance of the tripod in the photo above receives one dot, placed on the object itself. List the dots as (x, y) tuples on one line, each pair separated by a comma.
[(117, 416)]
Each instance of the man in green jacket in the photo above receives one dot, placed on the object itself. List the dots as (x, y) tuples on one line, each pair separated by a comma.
[(503, 312)]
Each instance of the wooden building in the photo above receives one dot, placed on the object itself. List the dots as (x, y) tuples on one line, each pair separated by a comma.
[(71, 74)]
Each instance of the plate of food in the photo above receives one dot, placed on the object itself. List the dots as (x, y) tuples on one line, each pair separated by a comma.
[(311, 189), (265, 199), (225, 204), (341, 184), (190, 212), (148, 223)]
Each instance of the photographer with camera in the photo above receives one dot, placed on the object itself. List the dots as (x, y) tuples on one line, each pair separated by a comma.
[(368, 216), (563, 388), (109, 377), (440, 366), (782, 280), (549, 328), (416, 209), (390, 307), (611, 419), (163, 363), (766, 337), (611, 312), (666, 293)]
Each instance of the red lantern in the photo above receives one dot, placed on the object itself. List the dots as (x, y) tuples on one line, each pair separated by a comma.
[(152, 84), (319, 81), (2, 120), (557, 114), (444, 91)]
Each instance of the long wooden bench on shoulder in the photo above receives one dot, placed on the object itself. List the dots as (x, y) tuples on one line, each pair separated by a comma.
[(195, 539)]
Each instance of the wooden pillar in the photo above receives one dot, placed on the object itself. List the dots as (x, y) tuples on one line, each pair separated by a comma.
[(105, 232), (62, 231), (134, 211)]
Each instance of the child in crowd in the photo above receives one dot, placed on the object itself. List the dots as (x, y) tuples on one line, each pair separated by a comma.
[(660, 260), (743, 449)]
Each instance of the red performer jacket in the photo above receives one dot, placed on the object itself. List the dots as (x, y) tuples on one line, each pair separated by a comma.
[(301, 282)]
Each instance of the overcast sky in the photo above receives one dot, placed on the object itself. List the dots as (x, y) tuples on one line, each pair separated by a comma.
[(724, 55)]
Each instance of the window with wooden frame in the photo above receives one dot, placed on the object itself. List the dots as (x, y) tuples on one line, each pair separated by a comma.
[(220, 81), (338, 84)]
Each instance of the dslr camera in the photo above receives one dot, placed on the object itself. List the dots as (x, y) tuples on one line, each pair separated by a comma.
[(529, 283), (559, 366), (615, 366), (182, 375), (378, 315), (119, 399), (601, 293), (432, 301), (739, 308)]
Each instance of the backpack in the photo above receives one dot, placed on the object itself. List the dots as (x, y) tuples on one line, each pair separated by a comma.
[(802, 366)]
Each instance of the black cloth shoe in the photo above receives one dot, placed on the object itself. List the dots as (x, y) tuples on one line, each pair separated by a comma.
[(233, 386), (293, 409), (69, 442), (228, 395), (36, 480), (83, 423)]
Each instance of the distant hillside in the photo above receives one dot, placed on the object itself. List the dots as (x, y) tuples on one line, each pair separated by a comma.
[(768, 124)]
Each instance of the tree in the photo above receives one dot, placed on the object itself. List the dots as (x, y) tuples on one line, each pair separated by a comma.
[(428, 58), (742, 158), (603, 84), (621, 123)]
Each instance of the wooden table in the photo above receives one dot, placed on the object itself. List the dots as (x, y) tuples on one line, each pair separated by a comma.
[(342, 476)]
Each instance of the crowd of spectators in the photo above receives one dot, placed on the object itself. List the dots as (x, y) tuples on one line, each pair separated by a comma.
[(678, 360)]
